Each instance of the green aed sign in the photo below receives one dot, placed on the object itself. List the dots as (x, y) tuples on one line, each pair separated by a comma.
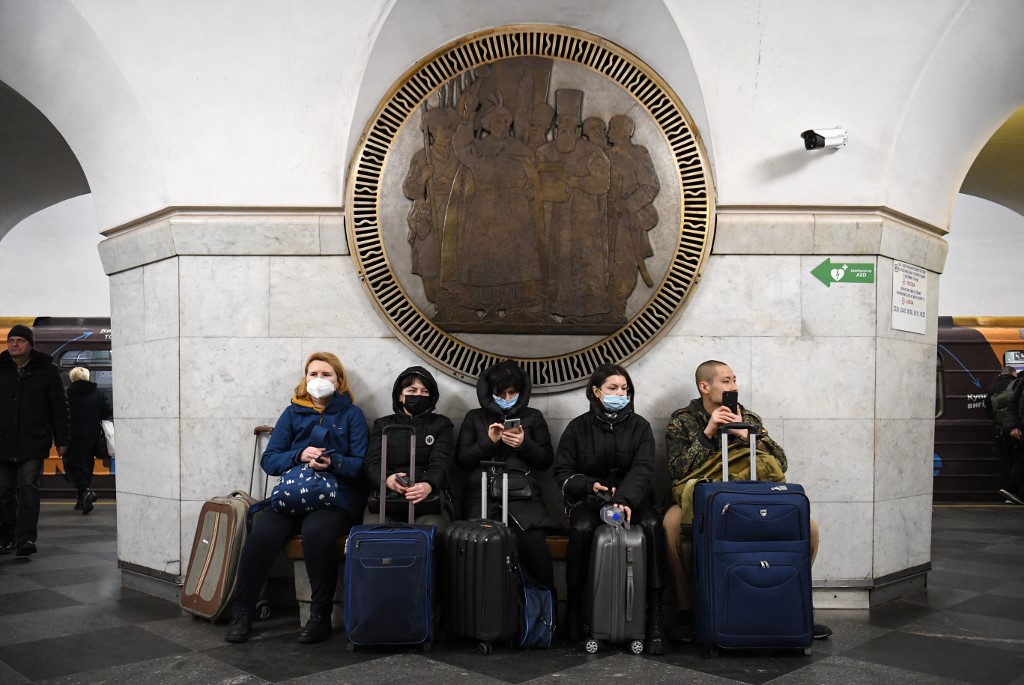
[(829, 272)]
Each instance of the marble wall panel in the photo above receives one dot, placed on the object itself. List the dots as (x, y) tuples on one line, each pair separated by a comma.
[(904, 450), (839, 309), (137, 246), (149, 532), (664, 376), (902, 534), (845, 547), (884, 276), (238, 377), (150, 385), (333, 239), (246, 234), (852, 234), (763, 233), (745, 296), (831, 458), (912, 244), (337, 305), (217, 457), (813, 378), (160, 281), (127, 308), (148, 461), (224, 296), (905, 379)]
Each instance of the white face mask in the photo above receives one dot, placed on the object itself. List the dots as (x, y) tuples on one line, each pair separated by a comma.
[(319, 388)]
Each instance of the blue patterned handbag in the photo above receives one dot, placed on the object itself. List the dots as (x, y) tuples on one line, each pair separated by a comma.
[(303, 489)]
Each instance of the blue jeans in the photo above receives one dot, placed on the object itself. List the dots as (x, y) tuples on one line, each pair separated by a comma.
[(19, 499)]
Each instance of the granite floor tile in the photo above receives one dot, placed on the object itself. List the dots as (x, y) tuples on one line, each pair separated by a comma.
[(507, 664), (993, 605), (628, 668), (32, 600), (940, 597), (51, 560), (743, 666), (75, 576), (1000, 633), (397, 669), (8, 676), (283, 658), (10, 584), (42, 625), (108, 589), (183, 669), (961, 581), (837, 670), (140, 609), (85, 652), (198, 634), (963, 660)]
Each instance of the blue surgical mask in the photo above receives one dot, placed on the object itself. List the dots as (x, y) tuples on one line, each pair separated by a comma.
[(505, 404), (615, 403)]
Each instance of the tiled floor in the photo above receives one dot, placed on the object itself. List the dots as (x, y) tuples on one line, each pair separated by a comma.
[(64, 618)]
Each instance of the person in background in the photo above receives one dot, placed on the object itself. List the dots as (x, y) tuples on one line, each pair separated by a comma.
[(1008, 389), (89, 405), (610, 449), (323, 428), (503, 391), (33, 416), (413, 399)]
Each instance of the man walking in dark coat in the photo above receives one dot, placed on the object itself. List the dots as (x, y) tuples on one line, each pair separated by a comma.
[(33, 415)]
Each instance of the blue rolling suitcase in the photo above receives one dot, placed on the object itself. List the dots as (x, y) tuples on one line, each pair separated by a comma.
[(389, 574), (752, 562)]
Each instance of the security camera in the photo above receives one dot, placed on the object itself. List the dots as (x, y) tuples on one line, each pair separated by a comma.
[(824, 137)]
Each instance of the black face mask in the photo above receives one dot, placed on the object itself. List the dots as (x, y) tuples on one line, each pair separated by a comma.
[(417, 404)]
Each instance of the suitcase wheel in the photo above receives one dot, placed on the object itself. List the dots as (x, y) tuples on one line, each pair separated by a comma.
[(350, 647), (807, 651), (263, 610), (484, 648), (636, 646), (425, 647), (591, 646)]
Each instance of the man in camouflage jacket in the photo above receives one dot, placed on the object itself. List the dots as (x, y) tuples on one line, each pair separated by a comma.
[(693, 439)]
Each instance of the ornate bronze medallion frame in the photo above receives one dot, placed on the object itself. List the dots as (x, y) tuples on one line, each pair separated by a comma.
[(468, 56)]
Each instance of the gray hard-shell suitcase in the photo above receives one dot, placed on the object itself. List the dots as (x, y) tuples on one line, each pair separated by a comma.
[(617, 588)]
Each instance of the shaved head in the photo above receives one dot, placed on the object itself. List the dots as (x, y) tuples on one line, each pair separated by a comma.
[(707, 371)]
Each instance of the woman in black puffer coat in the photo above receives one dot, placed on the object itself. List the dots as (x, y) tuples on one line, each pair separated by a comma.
[(413, 398), (504, 393), (610, 449), (88, 406)]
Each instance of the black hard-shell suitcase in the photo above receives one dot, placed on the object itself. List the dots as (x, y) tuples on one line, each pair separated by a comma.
[(617, 588), (752, 561), (482, 581), (389, 569)]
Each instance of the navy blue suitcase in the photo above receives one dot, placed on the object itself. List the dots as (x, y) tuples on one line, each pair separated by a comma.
[(389, 574), (752, 562)]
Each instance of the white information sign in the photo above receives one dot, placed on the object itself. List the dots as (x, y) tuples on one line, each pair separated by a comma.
[(909, 297)]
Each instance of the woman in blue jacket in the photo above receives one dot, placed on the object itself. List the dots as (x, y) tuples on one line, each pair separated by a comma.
[(323, 428)]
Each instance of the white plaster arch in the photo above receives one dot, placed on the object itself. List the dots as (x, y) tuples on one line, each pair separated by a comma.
[(52, 57), (412, 30)]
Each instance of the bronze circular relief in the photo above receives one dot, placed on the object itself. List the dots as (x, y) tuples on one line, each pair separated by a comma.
[(532, 192)]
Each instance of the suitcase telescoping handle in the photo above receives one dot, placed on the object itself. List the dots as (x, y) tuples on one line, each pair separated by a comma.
[(396, 428), (503, 467), (724, 430)]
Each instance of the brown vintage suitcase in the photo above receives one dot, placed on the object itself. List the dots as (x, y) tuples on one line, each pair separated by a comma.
[(210, 580)]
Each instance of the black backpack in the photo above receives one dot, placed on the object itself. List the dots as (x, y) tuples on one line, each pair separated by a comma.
[(1004, 405)]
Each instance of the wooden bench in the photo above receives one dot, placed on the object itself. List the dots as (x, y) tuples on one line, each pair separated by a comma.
[(557, 545)]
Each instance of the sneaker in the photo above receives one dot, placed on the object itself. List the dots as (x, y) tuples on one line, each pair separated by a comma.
[(26, 548), (1010, 497), (239, 629), (317, 629), (821, 631), (87, 501)]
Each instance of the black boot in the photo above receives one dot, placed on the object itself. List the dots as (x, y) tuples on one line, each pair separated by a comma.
[(656, 641), (78, 502), (87, 501), (317, 628), (239, 629)]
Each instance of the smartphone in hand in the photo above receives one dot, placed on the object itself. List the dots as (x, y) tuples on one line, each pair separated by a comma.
[(731, 399), (403, 481), (511, 424)]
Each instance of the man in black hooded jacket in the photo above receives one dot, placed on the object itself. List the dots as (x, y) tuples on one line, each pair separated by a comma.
[(33, 415)]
